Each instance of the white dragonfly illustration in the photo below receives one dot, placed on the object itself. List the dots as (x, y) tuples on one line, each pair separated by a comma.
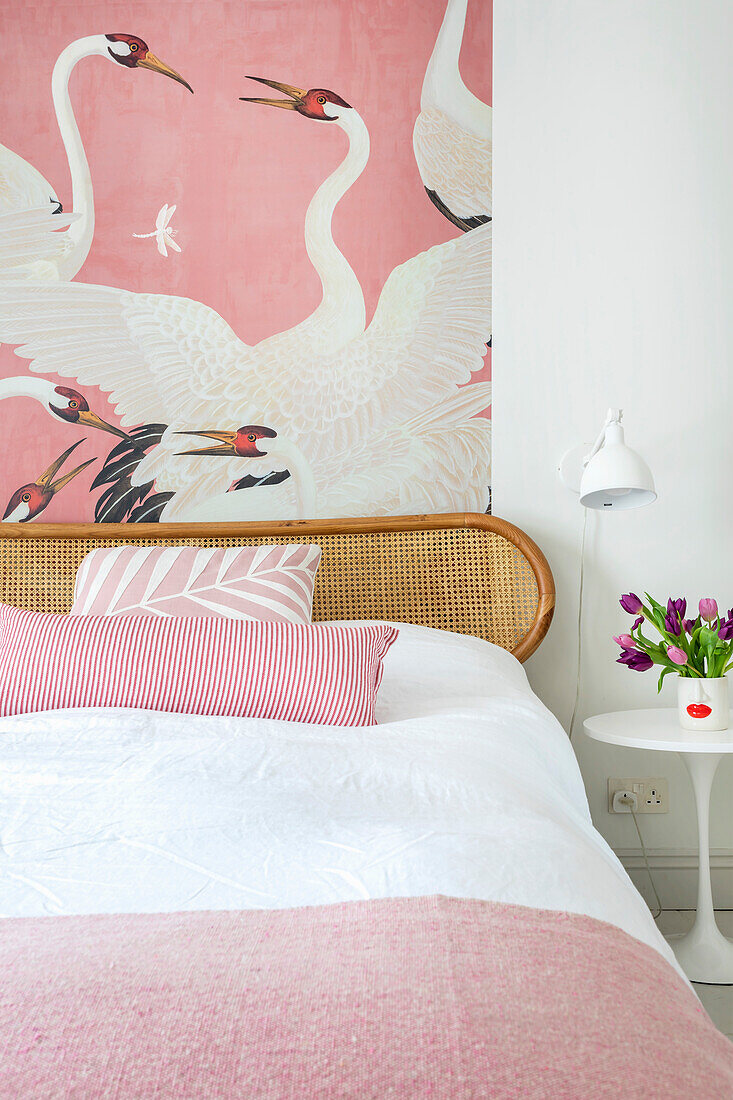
[(163, 232)]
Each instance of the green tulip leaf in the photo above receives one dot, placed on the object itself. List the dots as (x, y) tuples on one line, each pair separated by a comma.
[(662, 674)]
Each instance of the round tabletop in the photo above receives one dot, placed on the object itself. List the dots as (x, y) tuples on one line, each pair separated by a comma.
[(655, 728)]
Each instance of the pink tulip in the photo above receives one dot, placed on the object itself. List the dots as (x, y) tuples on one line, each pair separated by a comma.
[(677, 656), (708, 610), (625, 641)]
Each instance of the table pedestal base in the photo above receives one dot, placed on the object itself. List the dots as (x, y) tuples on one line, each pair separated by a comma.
[(704, 953)]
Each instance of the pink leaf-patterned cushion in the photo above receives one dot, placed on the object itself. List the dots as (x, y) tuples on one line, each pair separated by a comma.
[(273, 583), (204, 665)]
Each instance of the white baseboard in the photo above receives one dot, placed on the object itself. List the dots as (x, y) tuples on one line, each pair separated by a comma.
[(675, 875)]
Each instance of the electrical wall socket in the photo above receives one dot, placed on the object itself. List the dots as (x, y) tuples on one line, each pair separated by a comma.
[(652, 795)]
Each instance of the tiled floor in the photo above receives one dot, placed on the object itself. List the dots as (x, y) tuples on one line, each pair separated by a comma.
[(717, 999)]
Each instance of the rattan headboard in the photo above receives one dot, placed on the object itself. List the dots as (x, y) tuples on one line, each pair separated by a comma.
[(470, 573)]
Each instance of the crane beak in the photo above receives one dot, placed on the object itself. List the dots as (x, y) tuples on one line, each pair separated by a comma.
[(227, 442), (91, 420), (150, 61), (45, 480), (296, 94), (54, 488)]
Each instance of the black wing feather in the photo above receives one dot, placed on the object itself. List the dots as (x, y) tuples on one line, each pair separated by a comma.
[(250, 482), (122, 501), (466, 224), (150, 509)]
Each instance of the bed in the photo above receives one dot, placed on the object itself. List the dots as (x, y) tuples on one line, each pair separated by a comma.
[(202, 906)]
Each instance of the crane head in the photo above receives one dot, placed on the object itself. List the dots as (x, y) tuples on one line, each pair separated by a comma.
[(30, 500), (317, 103), (133, 53), (26, 503), (249, 441), (73, 407)]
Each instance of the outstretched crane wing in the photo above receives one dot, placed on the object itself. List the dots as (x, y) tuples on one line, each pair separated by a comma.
[(33, 243), (158, 357), (32, 223), (428, 335)]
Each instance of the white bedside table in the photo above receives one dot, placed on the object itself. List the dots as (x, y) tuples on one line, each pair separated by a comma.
[(704, 953)]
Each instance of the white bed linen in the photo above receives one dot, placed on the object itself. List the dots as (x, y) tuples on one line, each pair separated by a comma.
[(467, 787)]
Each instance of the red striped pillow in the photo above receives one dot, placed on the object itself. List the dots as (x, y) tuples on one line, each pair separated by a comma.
[(288, 671)]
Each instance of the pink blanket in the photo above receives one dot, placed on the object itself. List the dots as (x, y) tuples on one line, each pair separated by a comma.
[(407, 998)]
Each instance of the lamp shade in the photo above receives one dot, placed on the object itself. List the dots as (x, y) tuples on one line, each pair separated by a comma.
[(616, 476)]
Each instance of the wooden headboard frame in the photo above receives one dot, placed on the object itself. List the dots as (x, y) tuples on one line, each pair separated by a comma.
[(466, 572)]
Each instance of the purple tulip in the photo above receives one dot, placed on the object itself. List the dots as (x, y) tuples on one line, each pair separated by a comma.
[(677, 606), (638, 622), (688, 625), (708, 610), (631, 603), (725, 633), (635, 660), (677, 656), (625, 641), (672, 624)]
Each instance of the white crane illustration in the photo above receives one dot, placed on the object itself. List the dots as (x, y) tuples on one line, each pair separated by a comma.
[(38, 241), (452, 135), (376, 412), (429, 463), (29, 500), (60, 402)]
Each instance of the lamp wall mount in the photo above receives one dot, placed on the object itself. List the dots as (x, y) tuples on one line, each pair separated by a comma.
[(572, 466)]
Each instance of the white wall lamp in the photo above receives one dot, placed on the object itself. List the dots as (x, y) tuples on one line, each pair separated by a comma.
[(610, 474)]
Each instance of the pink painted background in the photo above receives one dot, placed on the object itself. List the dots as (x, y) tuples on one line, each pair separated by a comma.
[(242, 175)]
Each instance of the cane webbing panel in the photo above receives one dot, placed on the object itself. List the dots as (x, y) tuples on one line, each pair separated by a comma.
[(464, 579)]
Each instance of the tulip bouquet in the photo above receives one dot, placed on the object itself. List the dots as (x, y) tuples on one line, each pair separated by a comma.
[(699, 647)]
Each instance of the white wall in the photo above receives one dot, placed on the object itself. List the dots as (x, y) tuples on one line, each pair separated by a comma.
[(613, 243)]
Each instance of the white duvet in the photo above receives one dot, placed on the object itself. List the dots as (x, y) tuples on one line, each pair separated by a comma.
[(467, 787)]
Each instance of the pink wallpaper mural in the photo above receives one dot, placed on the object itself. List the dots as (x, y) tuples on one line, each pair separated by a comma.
[(268, 298)]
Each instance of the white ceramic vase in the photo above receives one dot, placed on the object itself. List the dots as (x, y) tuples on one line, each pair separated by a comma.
[(703, 704)]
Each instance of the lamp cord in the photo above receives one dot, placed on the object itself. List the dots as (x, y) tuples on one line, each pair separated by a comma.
[(581, 586)]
